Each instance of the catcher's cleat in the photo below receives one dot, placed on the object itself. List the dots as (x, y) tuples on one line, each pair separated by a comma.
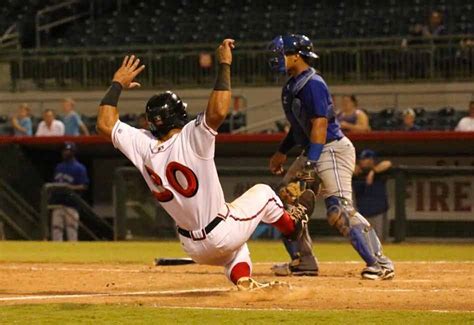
[(378, 272), (249, 284), (297, 267)]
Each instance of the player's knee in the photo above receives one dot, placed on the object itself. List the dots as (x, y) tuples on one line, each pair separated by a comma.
[(263, 188), (338, 214)]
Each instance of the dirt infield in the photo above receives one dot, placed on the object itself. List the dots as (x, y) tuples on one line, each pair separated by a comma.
[(446, 286)]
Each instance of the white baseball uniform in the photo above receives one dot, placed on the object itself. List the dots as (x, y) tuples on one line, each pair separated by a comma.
[(182, 175)]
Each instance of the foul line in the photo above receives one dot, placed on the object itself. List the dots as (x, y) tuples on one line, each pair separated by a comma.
[(78, 267), (202, 290), (302, 310), (117, 294)]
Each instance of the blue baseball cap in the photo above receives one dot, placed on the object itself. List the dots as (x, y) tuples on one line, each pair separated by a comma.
[(69, 146), (367, 154)]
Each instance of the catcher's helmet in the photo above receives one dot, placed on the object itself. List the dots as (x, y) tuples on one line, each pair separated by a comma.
[(289, 44), (165, 111)]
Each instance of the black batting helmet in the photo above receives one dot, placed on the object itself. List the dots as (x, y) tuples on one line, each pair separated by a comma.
[(165, 111)]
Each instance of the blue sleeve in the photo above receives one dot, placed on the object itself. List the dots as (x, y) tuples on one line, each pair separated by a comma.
[(315, 97), (82, 178), (28, 126), (77, 119)]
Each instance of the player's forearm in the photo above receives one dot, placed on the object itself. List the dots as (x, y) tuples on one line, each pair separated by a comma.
[(19, 128), (219, 101), (108, 113), (17, 125), (287, 143), (84, 129), (317, 138), (319, 130), (359, 128), (382, 166)]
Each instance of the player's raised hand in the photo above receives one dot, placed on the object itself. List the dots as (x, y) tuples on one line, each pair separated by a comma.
[(128, 71), (224, 51)]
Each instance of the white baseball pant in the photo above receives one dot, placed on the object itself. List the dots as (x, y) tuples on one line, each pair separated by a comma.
[(226, 244)]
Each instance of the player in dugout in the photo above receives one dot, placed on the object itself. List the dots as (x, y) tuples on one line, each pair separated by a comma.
[(327, 155)]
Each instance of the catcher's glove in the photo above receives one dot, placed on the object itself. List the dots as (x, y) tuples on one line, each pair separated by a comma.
[(290, 193)]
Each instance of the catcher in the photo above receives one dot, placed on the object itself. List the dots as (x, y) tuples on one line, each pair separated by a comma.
[(327, 154)]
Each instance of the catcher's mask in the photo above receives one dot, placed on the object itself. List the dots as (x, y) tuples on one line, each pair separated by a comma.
[(287, 45), (165, 111)]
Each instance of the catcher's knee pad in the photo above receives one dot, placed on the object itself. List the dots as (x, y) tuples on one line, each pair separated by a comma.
[(352, 224), (339, 213)]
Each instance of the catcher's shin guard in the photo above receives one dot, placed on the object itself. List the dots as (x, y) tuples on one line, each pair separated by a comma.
[(292, 247), (353, 225), (300, 249), (301, 253)]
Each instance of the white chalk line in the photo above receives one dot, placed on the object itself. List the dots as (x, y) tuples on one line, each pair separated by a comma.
[(201, 290), (113, 294), (122, 270), (299, 310)]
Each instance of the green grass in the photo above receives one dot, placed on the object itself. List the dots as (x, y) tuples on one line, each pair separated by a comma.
[(136, 314), (145, 252)]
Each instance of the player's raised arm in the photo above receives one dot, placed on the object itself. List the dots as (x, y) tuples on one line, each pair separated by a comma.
[(219, 101), (123, 79)]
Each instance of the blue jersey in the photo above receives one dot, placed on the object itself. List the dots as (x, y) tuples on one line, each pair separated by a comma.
[(372, 199), (71, 172), (72, 122), (305, 97)]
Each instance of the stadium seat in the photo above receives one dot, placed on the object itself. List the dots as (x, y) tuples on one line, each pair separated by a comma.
[(189, 21)]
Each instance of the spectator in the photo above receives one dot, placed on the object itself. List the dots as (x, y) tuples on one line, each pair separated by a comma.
[(49, 126), (409, 124), (351, 118), (434, 28), (74, 175), (72, 120), (370, 190), (435, 25), (142, 122), (21, 122), (466, 124)]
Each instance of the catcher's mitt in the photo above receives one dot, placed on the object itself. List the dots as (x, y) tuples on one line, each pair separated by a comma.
[(290, 193)]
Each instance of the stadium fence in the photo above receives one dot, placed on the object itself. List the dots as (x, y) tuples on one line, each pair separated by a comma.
[(342, 61)]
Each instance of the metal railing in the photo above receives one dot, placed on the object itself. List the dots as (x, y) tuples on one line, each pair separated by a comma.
[(383, 60), (10, 38), (50, 189), (17, 213)]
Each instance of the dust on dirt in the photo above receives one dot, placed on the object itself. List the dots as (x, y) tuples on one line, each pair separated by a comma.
[(417, 286)]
